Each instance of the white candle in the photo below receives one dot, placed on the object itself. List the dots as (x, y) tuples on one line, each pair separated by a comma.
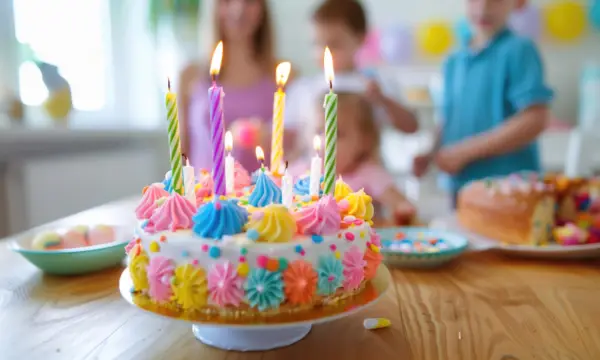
[(287, 188), (189, 182), (229, 164), (315, 168)]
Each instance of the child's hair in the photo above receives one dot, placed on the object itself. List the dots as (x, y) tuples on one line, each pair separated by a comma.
[(263, 41), (349, 12)]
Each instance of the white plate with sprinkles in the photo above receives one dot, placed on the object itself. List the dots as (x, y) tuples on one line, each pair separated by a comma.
[(551, 251), (417, 247)]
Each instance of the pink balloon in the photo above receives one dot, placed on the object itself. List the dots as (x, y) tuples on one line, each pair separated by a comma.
[(369, 54), (526, 21)]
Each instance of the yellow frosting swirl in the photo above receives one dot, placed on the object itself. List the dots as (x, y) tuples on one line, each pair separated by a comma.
[(273, 223), (341, 189), (189, 287), (137, 271), (360, 205)]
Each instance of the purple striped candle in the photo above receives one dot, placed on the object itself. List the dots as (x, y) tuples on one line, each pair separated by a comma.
[(217, 128)]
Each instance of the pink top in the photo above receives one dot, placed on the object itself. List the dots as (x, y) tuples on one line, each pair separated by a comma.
[(254, 101)]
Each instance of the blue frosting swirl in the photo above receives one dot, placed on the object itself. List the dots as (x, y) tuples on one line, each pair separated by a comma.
[(168, 185), (302, 186), (265, 192), (264, 289), (219, 218)]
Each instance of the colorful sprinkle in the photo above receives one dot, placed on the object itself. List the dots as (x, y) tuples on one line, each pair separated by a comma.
[(214, 252), (349, 236), (195, 262), (272, 265), (298, 249), (333, 247), (204, 247), (138, 240), (362, 234), (242, 259), (358, 222), (185, 253), (252, 234), (337, 254), (302, 252), (243, 269), (163, 238), (217, 206), (283, 264), (317, 239), (244, 251), (349, 218), (154, 247), (261, 261)]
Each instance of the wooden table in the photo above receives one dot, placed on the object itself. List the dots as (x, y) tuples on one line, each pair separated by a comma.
[(481, 307)]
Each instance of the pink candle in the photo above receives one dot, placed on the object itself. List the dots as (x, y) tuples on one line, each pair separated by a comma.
[(217, 128)]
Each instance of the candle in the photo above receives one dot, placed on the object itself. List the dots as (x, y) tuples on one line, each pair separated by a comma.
[(282, 74), (174, 143), (189, 181), (215, 95), (330, 106), (229, 164), (315, 169), (260, 156), (287, 187)]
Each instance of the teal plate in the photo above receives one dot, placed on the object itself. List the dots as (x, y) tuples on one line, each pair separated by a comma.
[(455, 246), (75, 261)]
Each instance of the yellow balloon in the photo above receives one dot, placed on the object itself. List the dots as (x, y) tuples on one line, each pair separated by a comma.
[(435, 38), (565, 20)]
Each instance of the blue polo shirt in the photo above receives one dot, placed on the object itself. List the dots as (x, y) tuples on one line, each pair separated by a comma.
[(485, 88)]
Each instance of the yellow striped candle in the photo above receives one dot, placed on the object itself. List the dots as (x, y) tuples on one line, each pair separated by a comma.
[(282, 74), (174, 142)]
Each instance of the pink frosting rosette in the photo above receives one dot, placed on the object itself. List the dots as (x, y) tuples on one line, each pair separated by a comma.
[(148, 203), (175, 214), (224, 285), (160, 271), (321, 218), (204, 187), (354, 265)]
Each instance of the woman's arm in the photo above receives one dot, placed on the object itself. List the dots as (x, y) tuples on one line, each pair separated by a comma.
[(187, 78)]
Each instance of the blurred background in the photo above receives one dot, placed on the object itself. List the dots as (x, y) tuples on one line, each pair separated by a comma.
[(82, 88)]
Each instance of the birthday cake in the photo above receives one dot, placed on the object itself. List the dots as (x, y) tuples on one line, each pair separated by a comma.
[(248, 255), (524, 209)]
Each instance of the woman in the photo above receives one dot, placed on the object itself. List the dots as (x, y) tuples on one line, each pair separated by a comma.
[(247, 75)]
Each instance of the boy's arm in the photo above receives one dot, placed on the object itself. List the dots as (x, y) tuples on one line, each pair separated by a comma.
[(400, 117), (520, 130)]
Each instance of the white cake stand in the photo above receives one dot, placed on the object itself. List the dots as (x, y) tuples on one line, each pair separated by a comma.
[(260, 337)]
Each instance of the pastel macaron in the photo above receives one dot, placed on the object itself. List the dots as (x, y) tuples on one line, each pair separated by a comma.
[(48, 240)]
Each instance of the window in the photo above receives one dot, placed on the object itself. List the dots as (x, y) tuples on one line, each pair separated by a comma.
[(74, 35)]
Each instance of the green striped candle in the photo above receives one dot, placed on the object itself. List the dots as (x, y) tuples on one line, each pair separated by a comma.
[(330, 105), (174, 143)]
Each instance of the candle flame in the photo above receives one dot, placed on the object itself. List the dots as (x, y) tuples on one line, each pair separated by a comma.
[(328, 63), (228, 141), (317, 143), (260, 155), (282, 73), (215, 64)]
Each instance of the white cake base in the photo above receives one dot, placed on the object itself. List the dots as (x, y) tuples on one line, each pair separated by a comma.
[(250, 339)]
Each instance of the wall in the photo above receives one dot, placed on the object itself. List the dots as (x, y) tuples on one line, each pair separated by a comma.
[(563, 62)]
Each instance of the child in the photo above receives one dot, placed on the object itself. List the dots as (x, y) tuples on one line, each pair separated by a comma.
[(342, 26), (358, 158), (248, 77), (495, 102)]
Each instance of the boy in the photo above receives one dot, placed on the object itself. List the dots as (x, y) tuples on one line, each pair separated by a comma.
[(495, 101), (342, 26)]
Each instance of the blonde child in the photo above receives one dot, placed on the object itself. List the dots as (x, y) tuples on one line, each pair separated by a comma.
[(495, 101)]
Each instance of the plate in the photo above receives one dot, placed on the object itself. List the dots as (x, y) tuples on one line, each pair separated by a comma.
[(478, 242), (457, 245), (279, 331), (75, 261)]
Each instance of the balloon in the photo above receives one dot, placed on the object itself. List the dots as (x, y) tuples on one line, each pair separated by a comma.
[(565, 20), (397, 44), (369, 53), (463, 32), (435, 38), (595, 13), (526, 21)]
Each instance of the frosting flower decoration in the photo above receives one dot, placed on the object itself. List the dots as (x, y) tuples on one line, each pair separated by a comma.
[(354, 268), (264, 289), (330, 271), (148, 203), (224, 285), (137, 270), (160, 271), (300, 282), (218, 218), (360, 205), (265, 192), (273, 223), (373, 260), (341, 189), (176, 213), (320, 218), (189, 287)]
